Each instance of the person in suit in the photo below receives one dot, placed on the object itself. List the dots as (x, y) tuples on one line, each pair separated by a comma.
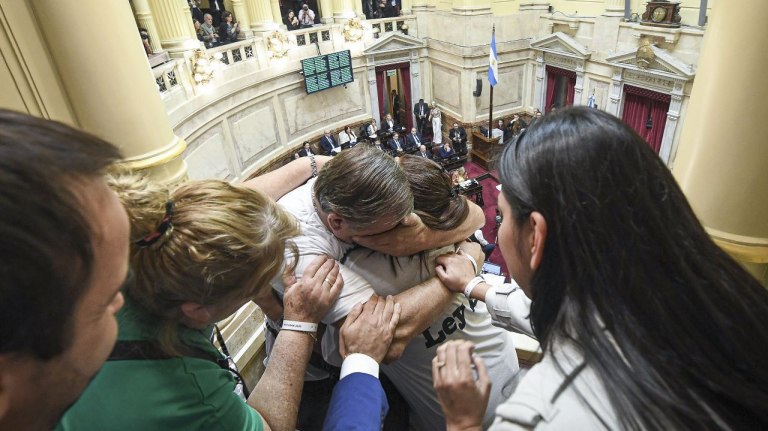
[(396, 145), (421, 111), (446, 152), (424, 153), (208, 32), (389, 124), (377, 144), (329, 145), (395, 105), (358, 400), (306, 150), (458, 137), (413, 140), (194, 9), (215, 9)]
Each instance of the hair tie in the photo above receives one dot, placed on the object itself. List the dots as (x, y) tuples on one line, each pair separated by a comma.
[(165, 226)]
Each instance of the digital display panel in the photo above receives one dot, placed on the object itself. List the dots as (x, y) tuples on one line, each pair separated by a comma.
[(326, 71)]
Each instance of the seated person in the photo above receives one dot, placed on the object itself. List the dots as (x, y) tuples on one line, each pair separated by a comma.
[(306, 150), (198, 31), (347, 136), (228, 30), (396, 145), (458, 137), (424, 152), (329, 145), (446, 152), (208, 32), (389, 124), (372, 130), (377, 144), (292, 21), (413, 139)]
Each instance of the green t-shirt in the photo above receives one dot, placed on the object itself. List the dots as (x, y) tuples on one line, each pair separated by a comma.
[(170, 394)]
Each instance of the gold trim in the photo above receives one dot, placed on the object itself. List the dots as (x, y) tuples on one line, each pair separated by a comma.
[(742, 248), (161, 157)]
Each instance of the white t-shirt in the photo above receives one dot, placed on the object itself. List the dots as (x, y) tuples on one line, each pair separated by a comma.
[(315, 239), (461, 320)]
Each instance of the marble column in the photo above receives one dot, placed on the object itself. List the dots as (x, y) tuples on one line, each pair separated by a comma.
[(262, 19), (277, 15), (243, 17), (144, 19), (326, 11), (343, 9), (109, 84), (614, 8), (722, 160), (174, 25), (406, 7)]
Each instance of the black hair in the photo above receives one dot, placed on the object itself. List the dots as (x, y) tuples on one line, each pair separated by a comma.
[(46, 253), (674, 328)]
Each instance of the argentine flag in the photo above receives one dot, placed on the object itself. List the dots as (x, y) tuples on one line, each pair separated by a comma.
[(493, 62)]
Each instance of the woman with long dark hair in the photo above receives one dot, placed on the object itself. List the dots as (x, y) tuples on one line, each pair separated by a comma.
[(644, 322)]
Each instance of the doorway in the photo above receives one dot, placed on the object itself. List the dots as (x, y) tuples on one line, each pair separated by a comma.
[(393, 85), (645, 111), (561, 87)]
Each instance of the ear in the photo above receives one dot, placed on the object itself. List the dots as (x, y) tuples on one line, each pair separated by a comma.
[(538, 238), (196, 314), (335, 222)]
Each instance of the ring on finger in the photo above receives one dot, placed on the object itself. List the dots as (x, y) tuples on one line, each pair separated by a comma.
[(329, 281)]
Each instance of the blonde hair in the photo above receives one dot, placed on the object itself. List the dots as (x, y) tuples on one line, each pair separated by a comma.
[(226, 242)]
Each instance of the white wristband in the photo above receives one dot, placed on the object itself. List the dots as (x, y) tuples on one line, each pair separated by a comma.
[(471, 259), (293, 325), (471, 285)]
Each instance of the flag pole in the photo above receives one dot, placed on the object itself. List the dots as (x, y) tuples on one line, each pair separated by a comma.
[(490, 107)]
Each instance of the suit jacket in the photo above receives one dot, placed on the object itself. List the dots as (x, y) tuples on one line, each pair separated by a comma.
[(304, 153), (418, 112), (358, 403), (427, 155), (389, 128), (328, 143), (412, 142), (393, 145), (459, 133), (446, 154)]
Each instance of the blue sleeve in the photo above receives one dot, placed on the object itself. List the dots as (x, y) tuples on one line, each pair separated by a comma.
[(358, 403)]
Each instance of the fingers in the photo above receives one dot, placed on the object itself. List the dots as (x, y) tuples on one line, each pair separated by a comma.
[(440, 271), (395, 319), (389, 308), (354, 314)]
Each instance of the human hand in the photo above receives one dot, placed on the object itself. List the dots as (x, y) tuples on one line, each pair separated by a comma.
[(462, 398), (369, 328), (409, 237), (455, 271), (309, 298)]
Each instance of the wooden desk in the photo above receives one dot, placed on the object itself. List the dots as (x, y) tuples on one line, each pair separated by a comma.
[(484, 150), (473, 189), (453, 163)]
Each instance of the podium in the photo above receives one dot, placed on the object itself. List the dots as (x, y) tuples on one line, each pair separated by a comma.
[(485, 150)]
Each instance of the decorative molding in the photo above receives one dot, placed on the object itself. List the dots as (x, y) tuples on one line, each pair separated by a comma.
[(394, 43), (563, 45), (742, 248), (156, 158)]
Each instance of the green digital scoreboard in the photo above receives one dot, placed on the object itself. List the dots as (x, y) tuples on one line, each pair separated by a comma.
[(326, 71)]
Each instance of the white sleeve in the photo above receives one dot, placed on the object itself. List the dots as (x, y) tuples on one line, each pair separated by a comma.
[(509, 308), (356, 290), (480, 237), (359, 363)]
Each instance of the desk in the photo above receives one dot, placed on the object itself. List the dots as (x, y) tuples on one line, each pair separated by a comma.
[(485, 150), (453, 163), (473, 189)]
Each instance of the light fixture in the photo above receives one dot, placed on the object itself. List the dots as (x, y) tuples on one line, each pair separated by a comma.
[(404, 28), (277, 44), (376, 32), (353, 30), (204, 68)]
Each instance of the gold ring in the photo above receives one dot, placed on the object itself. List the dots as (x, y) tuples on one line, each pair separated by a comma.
[(330, 283)]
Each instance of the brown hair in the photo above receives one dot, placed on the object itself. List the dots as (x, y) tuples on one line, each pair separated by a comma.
[(434, 198), (226, 242), (362, 185)]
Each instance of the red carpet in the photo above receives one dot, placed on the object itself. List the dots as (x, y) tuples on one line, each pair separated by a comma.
[(490, 195)]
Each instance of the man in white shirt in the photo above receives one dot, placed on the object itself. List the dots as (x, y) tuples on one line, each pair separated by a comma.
[(306, 16)]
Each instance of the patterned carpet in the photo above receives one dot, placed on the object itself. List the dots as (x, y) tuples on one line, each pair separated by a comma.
[(490, 195)]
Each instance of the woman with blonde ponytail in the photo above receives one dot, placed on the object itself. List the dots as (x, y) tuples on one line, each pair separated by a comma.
[(199, 252)]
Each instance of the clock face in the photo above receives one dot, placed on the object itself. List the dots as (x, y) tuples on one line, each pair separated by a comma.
[(659, 14)]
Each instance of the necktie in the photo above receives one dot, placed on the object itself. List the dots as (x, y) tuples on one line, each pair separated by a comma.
[(416, 138), (398, 146)]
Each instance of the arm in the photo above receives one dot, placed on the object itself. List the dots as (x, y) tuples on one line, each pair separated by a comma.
[(277, 395), (358, 400), (412, 236), (282, 180)]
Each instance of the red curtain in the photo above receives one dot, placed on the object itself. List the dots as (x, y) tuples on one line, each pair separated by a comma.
[(640, 105), (405, 98), (381, 95), (551, 84)]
